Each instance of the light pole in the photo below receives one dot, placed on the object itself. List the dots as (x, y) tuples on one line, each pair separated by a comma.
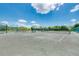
[(6, 28)]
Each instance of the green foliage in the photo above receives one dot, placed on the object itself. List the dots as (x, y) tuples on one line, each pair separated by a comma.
[(76, 25), (58, 28), (40, 28), (65, 28), (50, 28), (2, 27)]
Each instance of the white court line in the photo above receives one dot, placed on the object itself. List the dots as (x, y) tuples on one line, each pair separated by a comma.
[(62, 38), (76, 34)]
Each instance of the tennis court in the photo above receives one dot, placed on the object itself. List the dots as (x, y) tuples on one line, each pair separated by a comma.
[(39, 44)]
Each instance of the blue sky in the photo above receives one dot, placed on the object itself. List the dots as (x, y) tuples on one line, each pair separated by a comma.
[(66, 13)]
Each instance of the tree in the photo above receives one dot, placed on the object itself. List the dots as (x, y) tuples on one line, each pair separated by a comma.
[(4, 28), (76, 25), (65, 28)]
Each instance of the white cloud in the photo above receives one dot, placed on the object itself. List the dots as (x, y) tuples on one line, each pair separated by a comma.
[(4, 22), (28, 26), (73, 20), (33, 22), (21, 23), (45, 8), (76, 8), (36, 24), (58, 7)]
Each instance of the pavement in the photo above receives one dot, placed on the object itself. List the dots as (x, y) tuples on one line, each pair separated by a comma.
[(39, 44)]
